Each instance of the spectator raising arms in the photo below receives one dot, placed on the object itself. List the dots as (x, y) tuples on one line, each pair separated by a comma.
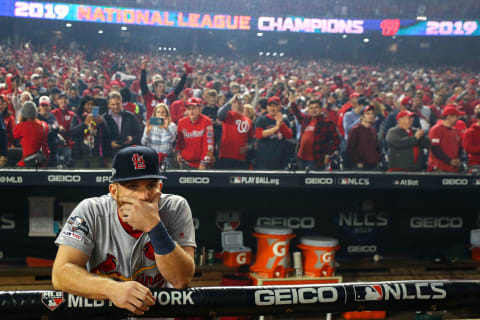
[(363, 148), (195, 138), (90, 135), (319, 138), (161, 137), (237, 135), (405, 144), (159, 95), (31, 132), (65, 118), (272, 133)]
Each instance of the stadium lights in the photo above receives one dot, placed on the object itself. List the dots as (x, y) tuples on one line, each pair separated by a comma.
[(169, 49), (160, 48), (344, 36), (68, 25), (394, 37), (100, 31), (267, 54), (260, 53), (422, 18), (366, 40), (282, 54), (259, 34), (274, 54), (174, 49), (124, 28)]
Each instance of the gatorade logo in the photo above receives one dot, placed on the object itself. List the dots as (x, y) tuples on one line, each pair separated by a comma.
[(327, 257), (280, 248), (242, 258)]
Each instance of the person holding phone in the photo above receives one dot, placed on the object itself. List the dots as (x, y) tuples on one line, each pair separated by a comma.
[(160, 134), (90, 135)]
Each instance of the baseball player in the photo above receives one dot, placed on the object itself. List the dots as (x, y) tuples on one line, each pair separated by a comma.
[(135, 235)]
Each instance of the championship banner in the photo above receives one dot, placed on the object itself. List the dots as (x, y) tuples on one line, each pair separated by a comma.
[(268, 300), (234, 21)]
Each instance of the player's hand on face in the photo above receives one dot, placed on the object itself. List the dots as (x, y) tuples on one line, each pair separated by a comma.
[(140, 214), (131, 295)]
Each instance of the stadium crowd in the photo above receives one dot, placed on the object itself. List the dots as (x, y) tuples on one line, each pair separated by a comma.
[(61, 108), (409, 9)]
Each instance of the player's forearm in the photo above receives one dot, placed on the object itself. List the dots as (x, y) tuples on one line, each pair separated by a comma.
[(76, 280), (177, 267)]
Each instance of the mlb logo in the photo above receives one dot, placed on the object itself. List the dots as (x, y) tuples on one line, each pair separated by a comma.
[(52, 299), (368, 293), (236, 180)]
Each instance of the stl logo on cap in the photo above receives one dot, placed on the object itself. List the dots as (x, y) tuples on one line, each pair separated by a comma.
[(138, 162)]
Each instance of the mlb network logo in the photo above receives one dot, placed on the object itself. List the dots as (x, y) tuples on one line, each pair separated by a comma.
[(368, 293)]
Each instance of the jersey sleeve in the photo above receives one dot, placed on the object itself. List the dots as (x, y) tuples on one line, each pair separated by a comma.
[(180, 141), (208, 143), (176, 215), (79, 229), (260, 126), (435, 136)]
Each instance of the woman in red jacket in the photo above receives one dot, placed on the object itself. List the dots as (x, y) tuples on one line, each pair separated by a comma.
[(31, 132), (471, 143)]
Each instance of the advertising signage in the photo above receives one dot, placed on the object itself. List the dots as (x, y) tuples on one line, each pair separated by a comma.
[(232, 21)]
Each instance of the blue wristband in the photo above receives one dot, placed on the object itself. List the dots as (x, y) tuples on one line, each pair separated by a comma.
[(161, 241)]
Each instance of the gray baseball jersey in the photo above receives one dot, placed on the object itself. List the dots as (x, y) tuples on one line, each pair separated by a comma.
[(94, 228)]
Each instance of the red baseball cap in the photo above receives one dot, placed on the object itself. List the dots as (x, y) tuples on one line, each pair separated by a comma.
[(451, 110), (209, 85), (407, 101), (404, 113), (354, 95), (308, 90), (188, 92), (472, 81), (274, 99), (92, 79), (192, 102)]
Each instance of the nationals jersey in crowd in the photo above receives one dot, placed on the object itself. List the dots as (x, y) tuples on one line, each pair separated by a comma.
[(236, 130), (195, 140), (94, 228)]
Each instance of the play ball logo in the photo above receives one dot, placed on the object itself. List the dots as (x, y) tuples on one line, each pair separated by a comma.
[(52, 299), (280, 248), (368, 293)]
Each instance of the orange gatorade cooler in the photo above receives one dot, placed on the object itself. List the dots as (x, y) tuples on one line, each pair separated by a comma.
[(272, 259), (318, 255)]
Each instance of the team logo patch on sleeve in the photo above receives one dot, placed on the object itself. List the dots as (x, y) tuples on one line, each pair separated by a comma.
[(78, 223), (52, 299)]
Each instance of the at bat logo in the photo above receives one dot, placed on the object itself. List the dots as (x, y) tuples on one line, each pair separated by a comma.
[(368, 293), (52, 299)]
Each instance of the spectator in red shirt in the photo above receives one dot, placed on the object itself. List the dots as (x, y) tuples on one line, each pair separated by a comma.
[(177, 108), (237, 135), (471, 143), (446, 143), (64, 117), (195, 139), (159, 96), (363, 148), (319, 138), (31, 132)]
